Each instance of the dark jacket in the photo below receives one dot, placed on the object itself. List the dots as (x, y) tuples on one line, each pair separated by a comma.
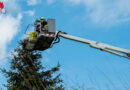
[(43, 23)]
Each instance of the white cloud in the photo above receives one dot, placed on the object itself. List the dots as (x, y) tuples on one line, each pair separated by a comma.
[(12, 6), (3, 0), (9, 27), (75, 1), (30, 12), (104, 11), (33, 2), (108, 12), (50, 1)]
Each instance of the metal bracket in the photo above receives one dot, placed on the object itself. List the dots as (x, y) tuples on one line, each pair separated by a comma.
[(27, 28)]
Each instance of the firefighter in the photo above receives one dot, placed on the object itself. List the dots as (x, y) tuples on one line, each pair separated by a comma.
[(43, 23), (37, 26), (46, 28)]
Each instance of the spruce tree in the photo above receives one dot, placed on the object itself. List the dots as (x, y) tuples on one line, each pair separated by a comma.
[(27, 73)]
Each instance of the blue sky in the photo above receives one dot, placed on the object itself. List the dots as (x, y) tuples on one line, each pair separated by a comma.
[(105, 21)]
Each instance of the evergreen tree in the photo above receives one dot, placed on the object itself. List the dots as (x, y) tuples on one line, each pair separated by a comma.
[(27, 73)]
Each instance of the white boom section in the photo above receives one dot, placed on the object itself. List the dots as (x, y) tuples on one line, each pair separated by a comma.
[(98, 45)]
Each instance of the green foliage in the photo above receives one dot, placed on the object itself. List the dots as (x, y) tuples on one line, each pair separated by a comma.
[(27, 73)]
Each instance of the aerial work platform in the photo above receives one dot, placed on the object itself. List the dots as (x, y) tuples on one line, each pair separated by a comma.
[(44, 39)]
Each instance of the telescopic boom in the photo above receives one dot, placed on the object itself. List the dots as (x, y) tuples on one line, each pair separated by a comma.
[(101, 46)]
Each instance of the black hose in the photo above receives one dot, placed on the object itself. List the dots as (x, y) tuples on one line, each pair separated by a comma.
[(128, 55), (57, 39)]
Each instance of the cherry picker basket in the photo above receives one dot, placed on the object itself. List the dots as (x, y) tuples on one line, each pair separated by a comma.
[(42, 41)]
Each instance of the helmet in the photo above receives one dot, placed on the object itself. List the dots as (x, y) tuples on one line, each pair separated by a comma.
[(42, 18), (46, 25)]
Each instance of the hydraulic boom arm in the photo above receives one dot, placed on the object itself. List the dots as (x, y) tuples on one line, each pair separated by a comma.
[(101, 46)]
